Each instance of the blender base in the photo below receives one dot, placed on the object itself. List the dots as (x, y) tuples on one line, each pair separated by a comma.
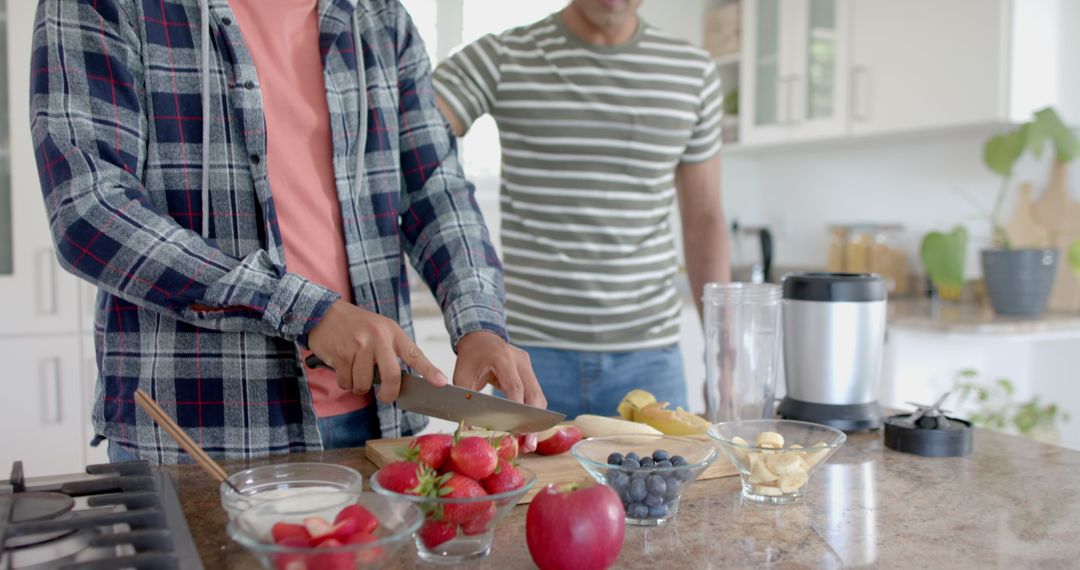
[(846, 417)]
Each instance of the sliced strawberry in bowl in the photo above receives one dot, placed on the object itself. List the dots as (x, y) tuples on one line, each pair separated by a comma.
[(329, 557), (283, 532), (365, 521)]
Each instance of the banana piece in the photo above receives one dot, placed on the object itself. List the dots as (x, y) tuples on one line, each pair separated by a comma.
[(770, 439), (767, 490), (741, 454), (761, 474), (599, 426), (814, 457), (753, 458), (783, 463), (633, 401), (794, 481)]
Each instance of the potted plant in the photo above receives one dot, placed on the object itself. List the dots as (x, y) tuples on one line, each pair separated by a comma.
[(1019, 281), (993, 406)]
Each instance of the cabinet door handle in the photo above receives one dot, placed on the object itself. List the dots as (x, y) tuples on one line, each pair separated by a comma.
[(45, 275), (792, 92), (49, 382), (860, 96)]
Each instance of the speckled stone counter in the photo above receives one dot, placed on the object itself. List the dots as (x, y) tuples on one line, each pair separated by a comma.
[(1011, 504)]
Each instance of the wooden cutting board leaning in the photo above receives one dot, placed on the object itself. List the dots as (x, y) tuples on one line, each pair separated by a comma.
[(549, 469)]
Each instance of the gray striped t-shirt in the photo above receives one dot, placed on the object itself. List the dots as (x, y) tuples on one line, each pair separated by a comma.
[(591, 136)]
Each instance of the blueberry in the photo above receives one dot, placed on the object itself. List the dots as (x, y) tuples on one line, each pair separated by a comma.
[(646, 462), (640, 474), (673, 489), (637, 489), (630, 463), (659, 511), (660, 455), (656, 485), (678, 460), (685, 474), (637, 511), (663, 463), (633, 456), (615, 459), (653, 500), (617, 479)]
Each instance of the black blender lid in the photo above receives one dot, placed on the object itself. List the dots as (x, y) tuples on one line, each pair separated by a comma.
[(834, 287), (929, 437)]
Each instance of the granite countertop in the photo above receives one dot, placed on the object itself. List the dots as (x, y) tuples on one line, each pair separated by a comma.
[(973, 318), (1011, 503)]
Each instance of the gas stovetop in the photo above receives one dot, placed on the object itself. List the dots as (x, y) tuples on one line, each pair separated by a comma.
[(119, 515)]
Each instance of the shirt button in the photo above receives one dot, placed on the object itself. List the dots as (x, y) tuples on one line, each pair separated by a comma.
[(249, 85), (226, 21), (256, 159)]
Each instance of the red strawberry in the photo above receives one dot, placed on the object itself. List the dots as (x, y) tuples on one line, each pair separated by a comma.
[(434, 532), (401, 477), (365, 521), (505, 478), (479, 523), (366, 556), (461, 487), (340, 532), (431, 449), (294, 533), (332, 560), (290, 561), (317, 528), (474, 457), (507, 447)]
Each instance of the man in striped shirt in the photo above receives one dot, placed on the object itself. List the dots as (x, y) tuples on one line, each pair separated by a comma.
[(603, 120)]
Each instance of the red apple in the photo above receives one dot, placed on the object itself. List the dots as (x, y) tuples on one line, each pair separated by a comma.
[(558, 439), (575, 525)]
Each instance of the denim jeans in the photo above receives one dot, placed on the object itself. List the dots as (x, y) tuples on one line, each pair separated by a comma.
[(580, 382), (346, 430)]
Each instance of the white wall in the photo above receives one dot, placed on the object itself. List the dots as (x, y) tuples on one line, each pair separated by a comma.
[(918, 180)]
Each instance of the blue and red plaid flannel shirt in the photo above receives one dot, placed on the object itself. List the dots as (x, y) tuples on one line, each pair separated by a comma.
[(209, 326)]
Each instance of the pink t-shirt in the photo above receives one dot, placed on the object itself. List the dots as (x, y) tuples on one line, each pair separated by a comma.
[(283, 38)]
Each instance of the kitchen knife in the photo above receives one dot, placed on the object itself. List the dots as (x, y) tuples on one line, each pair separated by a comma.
[(462, 405)]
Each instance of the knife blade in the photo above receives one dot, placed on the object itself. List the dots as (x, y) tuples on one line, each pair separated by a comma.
[(458, 404)]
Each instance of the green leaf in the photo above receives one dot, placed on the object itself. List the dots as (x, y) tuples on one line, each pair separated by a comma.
[(1007, 386), (943, 255), (1035, 134), (1066, 144), (1001, 152), (1074, 256), (968, 373)]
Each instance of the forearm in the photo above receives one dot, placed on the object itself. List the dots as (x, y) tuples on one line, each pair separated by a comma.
[(705, 236)]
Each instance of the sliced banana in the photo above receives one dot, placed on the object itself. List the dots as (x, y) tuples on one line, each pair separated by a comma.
[(814, 457), (761, 474), (793, 481), (753, 457), (770, 439), (767, 490), (599, 426), (783, 463), (740, 453)]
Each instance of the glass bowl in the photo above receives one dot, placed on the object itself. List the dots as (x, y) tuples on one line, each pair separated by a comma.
[(443, 542), (650, 494), (771, 473), (397, 523), (271, 482)]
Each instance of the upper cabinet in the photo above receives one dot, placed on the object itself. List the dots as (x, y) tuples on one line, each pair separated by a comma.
[(793, 76), (814, 69)]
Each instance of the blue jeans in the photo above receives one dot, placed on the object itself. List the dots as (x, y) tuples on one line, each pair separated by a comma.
[(579, 382), (346, 430)]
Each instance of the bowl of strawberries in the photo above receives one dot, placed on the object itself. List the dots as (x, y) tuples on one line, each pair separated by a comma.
[(464, 485), (326, 531)]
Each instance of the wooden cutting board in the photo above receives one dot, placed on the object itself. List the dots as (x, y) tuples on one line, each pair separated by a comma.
[(550, 469)]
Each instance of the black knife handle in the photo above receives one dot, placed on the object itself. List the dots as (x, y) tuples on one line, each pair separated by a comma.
[(313, 362)]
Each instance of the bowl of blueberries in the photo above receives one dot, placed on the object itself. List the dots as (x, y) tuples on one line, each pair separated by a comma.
[(650, 473)]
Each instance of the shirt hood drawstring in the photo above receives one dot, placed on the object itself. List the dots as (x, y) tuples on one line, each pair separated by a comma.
[(204, 70)]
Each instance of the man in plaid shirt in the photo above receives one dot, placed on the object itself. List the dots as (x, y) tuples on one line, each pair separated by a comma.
[(167, 134)]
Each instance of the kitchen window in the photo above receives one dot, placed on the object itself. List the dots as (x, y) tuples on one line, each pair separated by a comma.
[(5, 146)]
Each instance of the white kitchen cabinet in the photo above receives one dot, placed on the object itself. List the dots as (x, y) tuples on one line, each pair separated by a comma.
[(37, 296), (830, 69), (43, 407), (925, 63), (793, 78)]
